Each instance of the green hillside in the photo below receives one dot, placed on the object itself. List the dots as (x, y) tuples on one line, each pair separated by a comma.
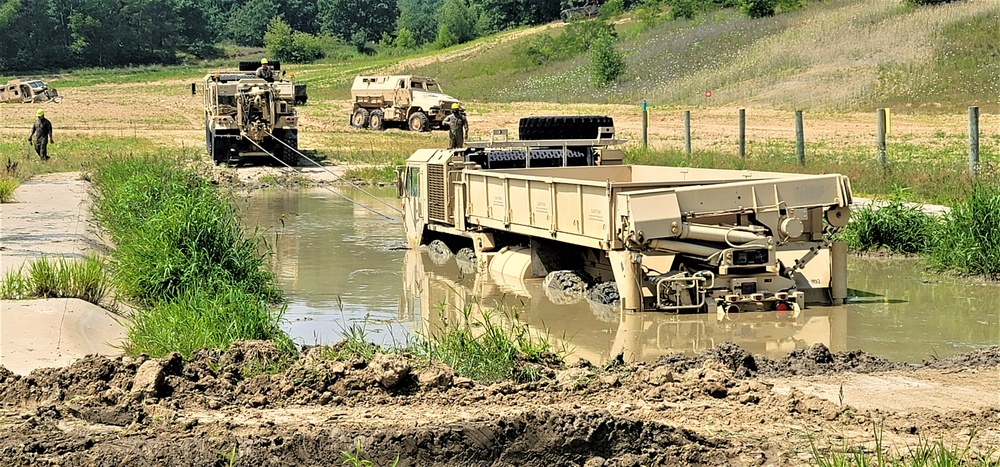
[(836, 55)]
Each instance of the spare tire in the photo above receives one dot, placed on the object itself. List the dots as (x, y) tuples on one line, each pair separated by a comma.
[(575, 127)]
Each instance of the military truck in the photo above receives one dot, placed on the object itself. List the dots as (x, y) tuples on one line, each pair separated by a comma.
[(671, 238), (246, 116), (408, 101), (28, 91)]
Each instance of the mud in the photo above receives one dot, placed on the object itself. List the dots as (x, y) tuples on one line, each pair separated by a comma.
[(566, 287), (714, 408)]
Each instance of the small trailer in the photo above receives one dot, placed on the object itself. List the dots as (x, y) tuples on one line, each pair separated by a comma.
[(674, 239)]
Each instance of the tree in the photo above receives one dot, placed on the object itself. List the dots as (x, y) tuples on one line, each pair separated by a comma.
[(419, 18), (246, 25), (357, 21), (456, 23), (606, 63), (278, 40)]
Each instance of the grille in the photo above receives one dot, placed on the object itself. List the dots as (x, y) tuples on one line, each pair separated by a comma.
[(437, 208)]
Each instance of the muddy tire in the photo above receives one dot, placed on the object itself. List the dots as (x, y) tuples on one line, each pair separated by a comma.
[(566, 287), (220, 150), (287, 154), (603, 300), (376, 121), (419, 122), (438, 252), (466, 260), (359, 119), (583, 127)]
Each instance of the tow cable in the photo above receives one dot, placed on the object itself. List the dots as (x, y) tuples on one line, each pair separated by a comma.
[(339, 178)]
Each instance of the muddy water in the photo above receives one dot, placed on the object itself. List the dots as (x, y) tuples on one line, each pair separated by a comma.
[(346, 268)]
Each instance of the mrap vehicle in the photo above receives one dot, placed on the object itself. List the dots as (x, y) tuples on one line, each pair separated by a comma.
[(246, 116), (671, 238)]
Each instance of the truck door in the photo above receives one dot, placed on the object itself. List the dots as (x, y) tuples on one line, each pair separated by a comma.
[(410, 190), (402, 93)]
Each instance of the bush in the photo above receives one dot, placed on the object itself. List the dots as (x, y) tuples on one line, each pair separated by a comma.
[(682, 9), (893, 225), (969, 240), (758, 8), (926, 2), (606, 63)]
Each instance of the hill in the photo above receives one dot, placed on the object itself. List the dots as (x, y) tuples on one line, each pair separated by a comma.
[(839, 55)]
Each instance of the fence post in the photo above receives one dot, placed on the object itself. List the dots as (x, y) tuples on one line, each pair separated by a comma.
[(687, 132), (974, 140), (880, 135), (192, 88), (743, 133), (800, 139), (645, 126)]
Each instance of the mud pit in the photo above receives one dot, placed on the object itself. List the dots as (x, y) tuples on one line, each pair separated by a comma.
[(722, 407)]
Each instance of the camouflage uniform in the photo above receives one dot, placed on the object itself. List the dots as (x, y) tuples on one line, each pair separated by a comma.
[(458, 129), (265, 73), (42, 131)]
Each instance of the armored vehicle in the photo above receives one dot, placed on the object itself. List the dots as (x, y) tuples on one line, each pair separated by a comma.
[(246, 116), (28, 91), (670, 238), (412, 102)]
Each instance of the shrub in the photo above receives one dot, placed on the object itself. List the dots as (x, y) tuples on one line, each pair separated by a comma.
[(606, 63), (926, 2), (758, 8), (7, 187), (682, 9)]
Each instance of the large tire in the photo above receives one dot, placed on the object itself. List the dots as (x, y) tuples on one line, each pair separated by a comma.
[(220, 149), (288, 154), (359, 119), (208, 136), (419, 122), (581, 127), (376, 121)]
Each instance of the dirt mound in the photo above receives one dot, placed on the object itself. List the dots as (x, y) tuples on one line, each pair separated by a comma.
[(987, 357)]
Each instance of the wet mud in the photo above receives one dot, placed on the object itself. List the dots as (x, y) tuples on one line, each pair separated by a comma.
[(231, 407)]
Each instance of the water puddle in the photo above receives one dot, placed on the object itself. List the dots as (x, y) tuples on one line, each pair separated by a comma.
[(344, 267)]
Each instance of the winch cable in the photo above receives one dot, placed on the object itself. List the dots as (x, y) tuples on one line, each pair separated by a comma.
[(348, 198)]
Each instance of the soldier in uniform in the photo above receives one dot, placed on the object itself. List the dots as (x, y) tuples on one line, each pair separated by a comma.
[(42, 131), (458, 127), (265, 72)]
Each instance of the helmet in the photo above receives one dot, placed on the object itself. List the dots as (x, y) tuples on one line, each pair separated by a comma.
[(454, 106), (40, 112), (263, 61)]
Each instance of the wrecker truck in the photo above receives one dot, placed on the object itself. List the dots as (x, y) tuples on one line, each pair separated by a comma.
[(674, 239)]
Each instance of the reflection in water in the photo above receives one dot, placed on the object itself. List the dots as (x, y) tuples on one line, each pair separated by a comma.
[(341, 265)]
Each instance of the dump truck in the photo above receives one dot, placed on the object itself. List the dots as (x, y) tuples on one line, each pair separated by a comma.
[(412, 102), (674, 239), (28, 92), (249, 117)]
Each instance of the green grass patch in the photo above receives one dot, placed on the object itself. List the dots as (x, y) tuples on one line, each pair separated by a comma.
[(49, 277), (925, 453), (488, 345), (375, 174), (76, 153), (183, 257), (8, 185), (969, 240), (891, 224)]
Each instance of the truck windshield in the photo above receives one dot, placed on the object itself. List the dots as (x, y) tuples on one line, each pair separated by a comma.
[(36, 84)]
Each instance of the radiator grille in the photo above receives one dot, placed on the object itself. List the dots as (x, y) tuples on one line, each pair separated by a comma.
[(437, 206)]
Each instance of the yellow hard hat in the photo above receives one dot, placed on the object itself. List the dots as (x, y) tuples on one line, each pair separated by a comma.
[(454, 106), (40, 112), (263, 61)]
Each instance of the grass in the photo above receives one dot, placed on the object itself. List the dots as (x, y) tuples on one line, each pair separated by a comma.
[(376, 174), (969, 240), (892, 224), (8, 185), (488, 345), (924, 454), (48, 277), (182, 256), (356, 459)]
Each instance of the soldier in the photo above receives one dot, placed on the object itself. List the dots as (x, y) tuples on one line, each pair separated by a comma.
[(458, 127), (42, 131), (265, 72)]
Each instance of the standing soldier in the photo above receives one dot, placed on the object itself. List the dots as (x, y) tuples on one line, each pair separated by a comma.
[(458, 127), (42, 131)]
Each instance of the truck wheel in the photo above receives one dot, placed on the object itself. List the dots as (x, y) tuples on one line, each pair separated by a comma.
[(220, 149), (208, 136), (419, 122), (289, 154), (376, 120), (582, 127), (359, 119)]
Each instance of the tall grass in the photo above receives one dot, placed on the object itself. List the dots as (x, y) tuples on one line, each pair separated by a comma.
[(924, 454), (7, 187), (892, 224), (489, 345), (969, 240), (47, 277), (182, 256)]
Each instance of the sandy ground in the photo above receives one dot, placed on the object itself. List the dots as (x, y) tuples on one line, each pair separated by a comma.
[(51, 217)]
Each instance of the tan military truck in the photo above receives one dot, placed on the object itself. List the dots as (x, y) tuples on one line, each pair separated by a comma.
[(409, 101), (671, 238), (28, 91), (246, 116)]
